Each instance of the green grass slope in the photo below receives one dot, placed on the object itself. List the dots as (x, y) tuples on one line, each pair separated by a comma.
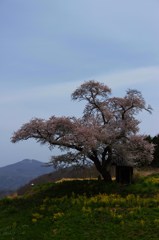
[(83, 210)]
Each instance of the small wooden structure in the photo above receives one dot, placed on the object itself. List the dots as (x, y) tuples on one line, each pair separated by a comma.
[(124, 174), (123, 170)]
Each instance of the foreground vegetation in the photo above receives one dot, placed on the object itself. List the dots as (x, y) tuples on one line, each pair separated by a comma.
[(86, 209)]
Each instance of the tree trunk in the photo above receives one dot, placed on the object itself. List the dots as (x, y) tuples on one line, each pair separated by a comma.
[(102, 169), (106, 164)]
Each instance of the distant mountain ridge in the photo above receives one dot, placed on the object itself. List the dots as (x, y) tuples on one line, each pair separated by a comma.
[(18, 174)]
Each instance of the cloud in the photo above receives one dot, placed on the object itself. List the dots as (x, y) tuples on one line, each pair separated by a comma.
[(118, 80), (35, 93), (131, 77)]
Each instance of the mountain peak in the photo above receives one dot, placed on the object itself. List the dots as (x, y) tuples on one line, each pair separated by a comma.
[(18, 174)]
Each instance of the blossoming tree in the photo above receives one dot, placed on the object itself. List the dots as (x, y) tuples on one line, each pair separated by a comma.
[(107, 132)]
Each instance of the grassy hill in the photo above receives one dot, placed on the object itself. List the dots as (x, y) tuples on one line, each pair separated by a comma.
[(68, 173), (83, 210)]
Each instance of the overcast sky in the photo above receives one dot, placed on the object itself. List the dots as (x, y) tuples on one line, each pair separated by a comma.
[(49, 47)]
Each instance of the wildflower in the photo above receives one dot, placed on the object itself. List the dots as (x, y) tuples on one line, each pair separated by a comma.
[(142, 222), (34, 220), (58, 215)]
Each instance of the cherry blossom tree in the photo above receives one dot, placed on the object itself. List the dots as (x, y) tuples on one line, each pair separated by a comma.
[(106, 134)]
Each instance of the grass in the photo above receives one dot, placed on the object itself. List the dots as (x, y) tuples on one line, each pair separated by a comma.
[(83, 210)]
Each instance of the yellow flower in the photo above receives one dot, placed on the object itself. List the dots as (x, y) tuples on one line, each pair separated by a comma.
[(58, 215), (122, 223), (34, 220), (37, 215), (156, 221), (142, 222)]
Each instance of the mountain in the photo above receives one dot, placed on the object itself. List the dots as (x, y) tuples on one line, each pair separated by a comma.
[(18, 174)]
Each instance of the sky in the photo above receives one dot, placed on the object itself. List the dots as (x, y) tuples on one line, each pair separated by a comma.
[(49, 47)]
